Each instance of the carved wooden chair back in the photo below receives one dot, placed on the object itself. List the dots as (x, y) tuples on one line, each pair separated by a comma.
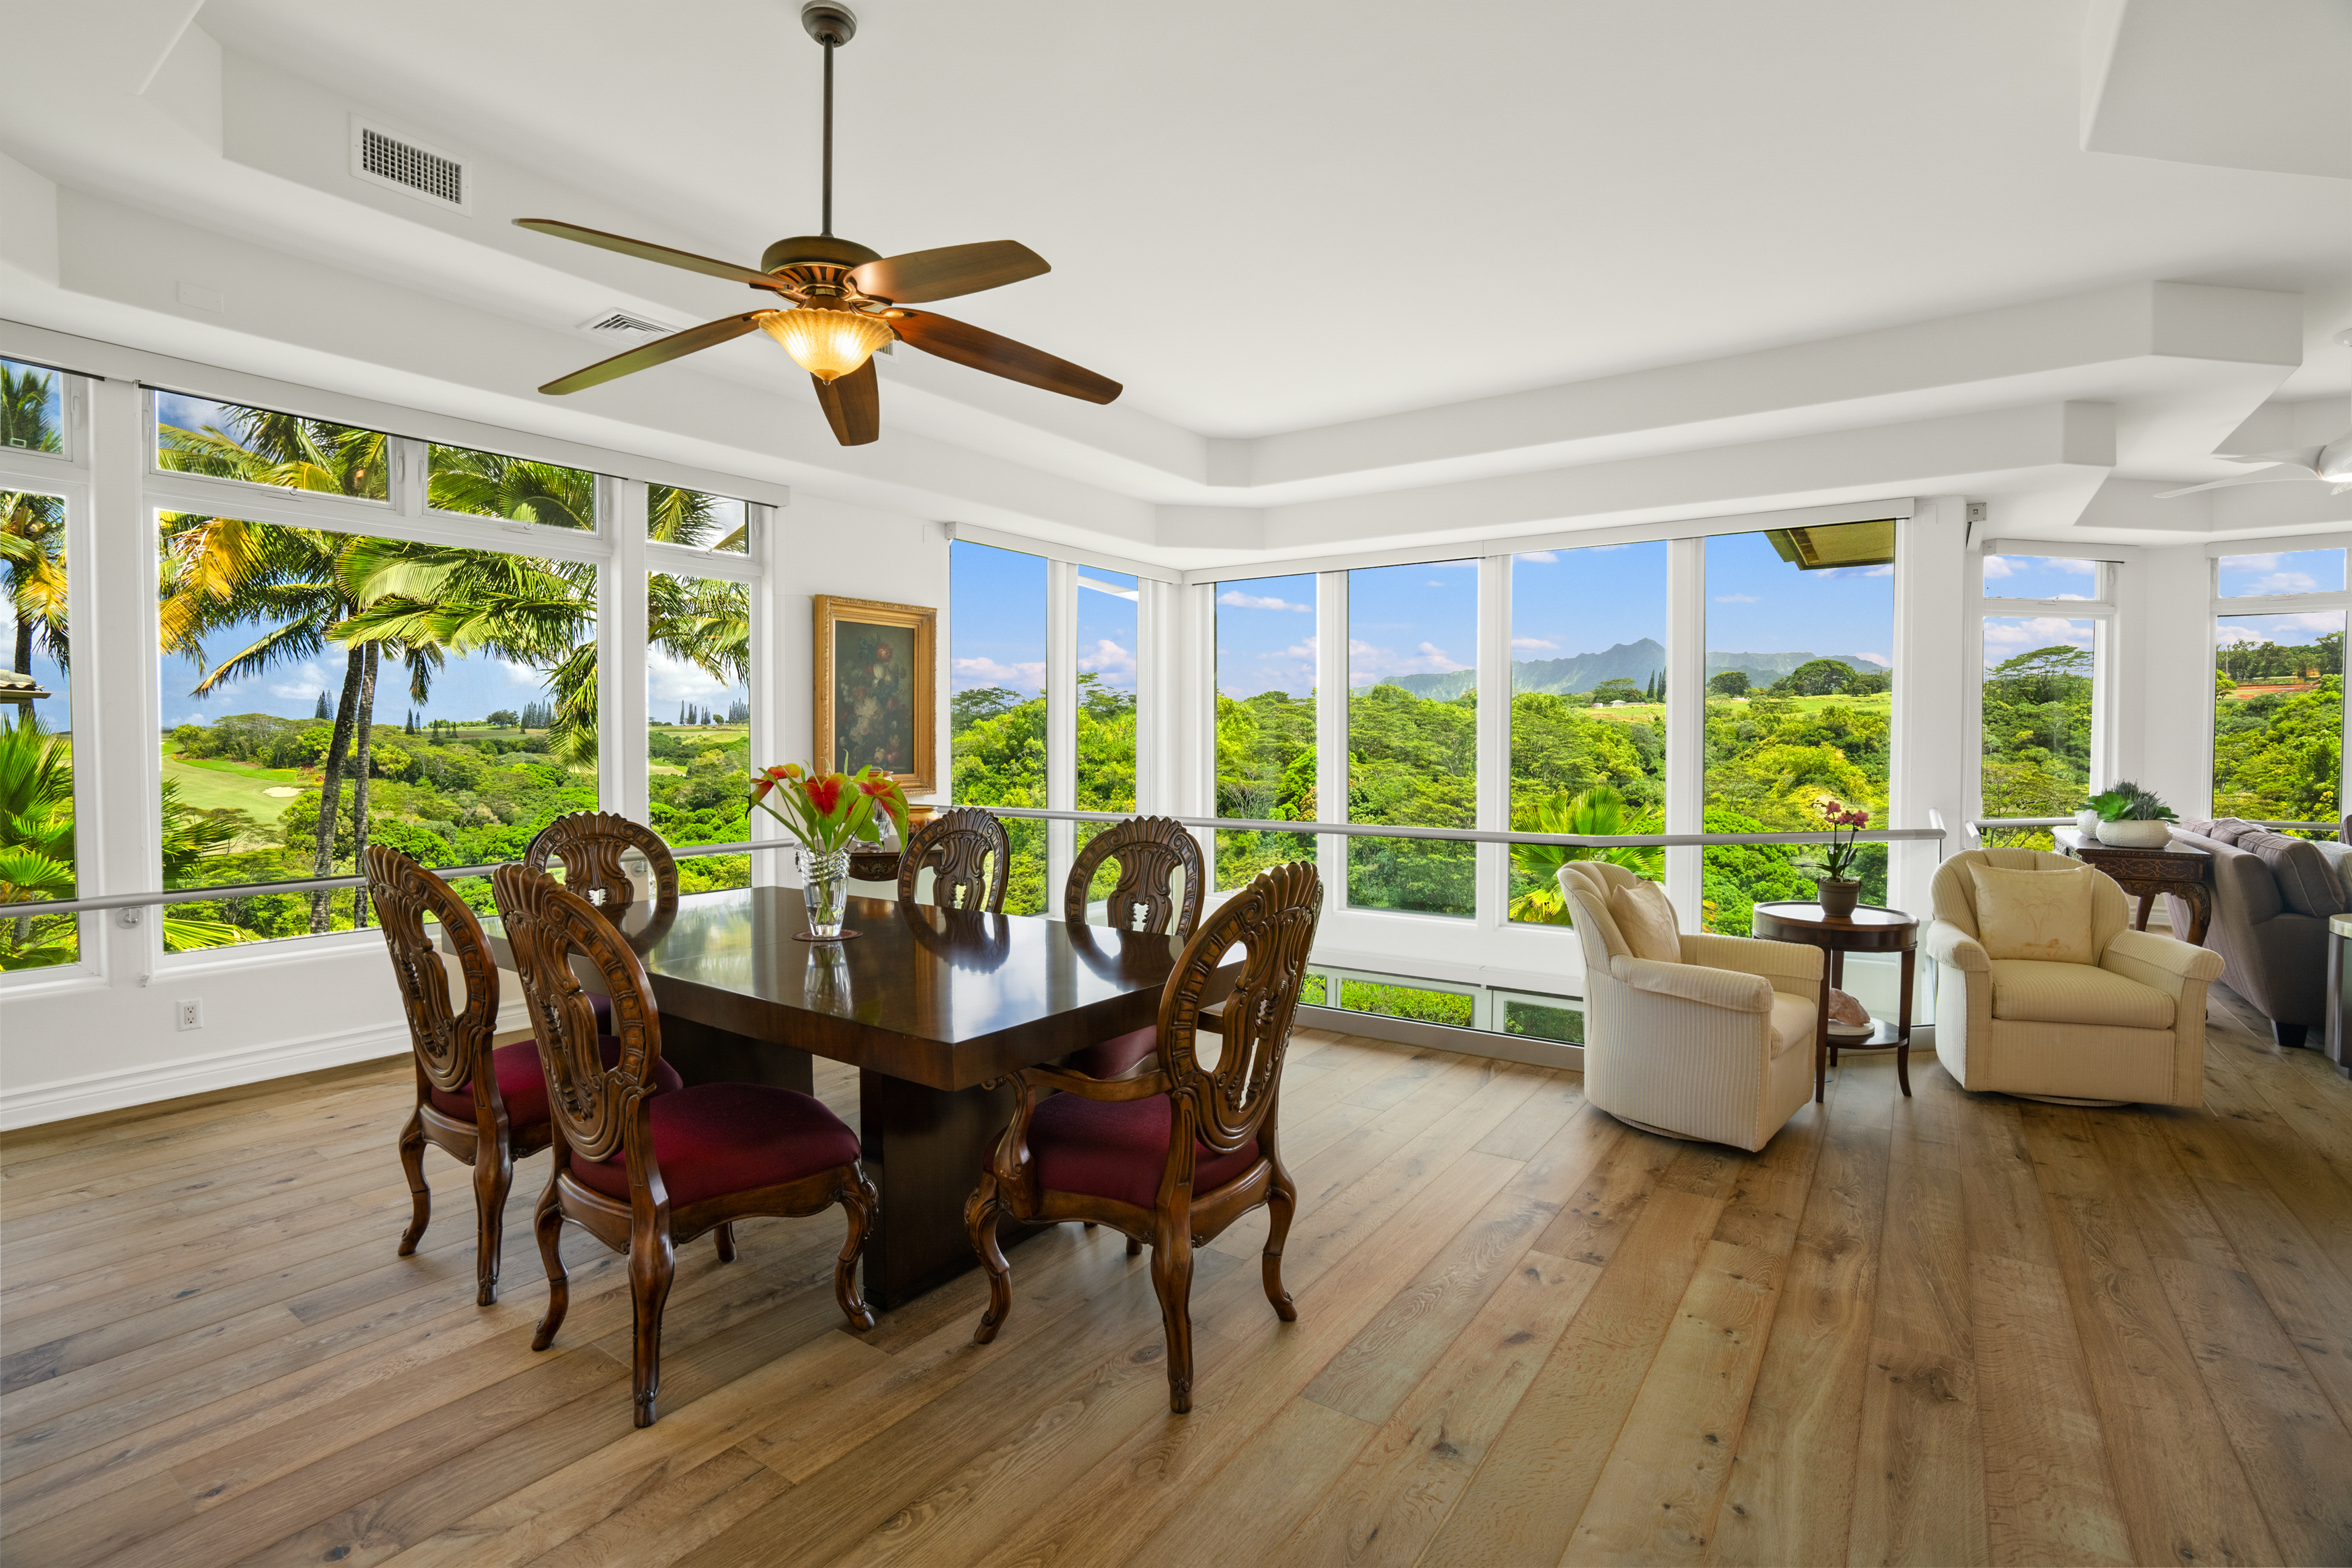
[(594, 1109), (593, 847), (452, 1044), (1150, 852), (956, 846), (1226, 1101)]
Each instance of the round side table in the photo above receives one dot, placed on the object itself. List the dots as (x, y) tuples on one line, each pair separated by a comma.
[(1870, 928)]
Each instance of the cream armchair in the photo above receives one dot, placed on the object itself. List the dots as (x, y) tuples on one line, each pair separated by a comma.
[(2128, 1027), (1717, 1046)]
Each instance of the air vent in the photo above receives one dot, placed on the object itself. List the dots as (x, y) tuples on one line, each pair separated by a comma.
[(625, 324), (410, 167)]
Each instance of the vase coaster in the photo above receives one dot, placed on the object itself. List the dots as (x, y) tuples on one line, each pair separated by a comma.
[(845, 936)]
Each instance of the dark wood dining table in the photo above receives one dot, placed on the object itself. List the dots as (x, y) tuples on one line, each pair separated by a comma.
[(931, 1005)]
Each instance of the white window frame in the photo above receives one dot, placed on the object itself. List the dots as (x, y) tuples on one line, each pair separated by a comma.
[(2339, 601), (2109, 669)]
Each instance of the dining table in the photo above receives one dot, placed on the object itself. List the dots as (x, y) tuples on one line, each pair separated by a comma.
[(934, 1008)]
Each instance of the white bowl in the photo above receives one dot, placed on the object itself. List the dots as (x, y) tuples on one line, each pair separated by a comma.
[(2146, 835)]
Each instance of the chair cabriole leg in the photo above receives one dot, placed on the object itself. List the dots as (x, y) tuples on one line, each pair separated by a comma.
[(1281, 1205), (979, 1212), (725, 1236), (493, 1178), (549, 1225), (412, 1165), (652, 1265), (858, 1202), (1171, 1278)]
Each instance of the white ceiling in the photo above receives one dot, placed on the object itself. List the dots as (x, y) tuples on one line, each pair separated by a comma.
[(1265, 217), (1371, 273)]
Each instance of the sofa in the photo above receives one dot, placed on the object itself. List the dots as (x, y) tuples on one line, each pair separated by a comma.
[(2271, 898)]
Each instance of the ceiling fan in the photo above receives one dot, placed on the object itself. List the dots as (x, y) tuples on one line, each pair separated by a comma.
[(2331, 462), (846, 300)]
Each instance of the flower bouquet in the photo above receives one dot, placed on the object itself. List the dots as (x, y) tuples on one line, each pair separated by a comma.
[(826, 812), (1832, 868)]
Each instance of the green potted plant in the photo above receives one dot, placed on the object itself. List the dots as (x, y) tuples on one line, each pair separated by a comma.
[(1832, 868), (2131, 817)]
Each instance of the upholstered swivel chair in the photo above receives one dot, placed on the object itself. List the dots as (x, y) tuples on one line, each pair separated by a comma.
[(486, 1119), (639, 1170), (970, 858), (1177, 1150), (2105, 1016), (1715, 1043)]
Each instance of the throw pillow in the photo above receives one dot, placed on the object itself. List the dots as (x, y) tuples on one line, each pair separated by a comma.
[(2339, 855), (2230, 829), (2044, 915), (1647, 919), (2307, 882), (2202, 829)]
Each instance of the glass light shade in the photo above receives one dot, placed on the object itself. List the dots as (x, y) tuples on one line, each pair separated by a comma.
[(828, 344)]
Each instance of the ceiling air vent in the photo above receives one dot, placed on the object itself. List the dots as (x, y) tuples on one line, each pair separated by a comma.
[(410, 167), (625, 324)]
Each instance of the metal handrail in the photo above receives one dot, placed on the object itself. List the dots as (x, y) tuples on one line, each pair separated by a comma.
[(307, 885)]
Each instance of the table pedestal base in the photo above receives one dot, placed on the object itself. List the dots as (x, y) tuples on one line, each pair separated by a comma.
[(925, 1149)]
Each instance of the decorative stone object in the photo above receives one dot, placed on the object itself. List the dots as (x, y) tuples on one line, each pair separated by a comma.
[(2152, 834)]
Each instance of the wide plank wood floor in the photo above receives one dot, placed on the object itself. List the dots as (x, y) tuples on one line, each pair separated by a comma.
[(1950, 1330)]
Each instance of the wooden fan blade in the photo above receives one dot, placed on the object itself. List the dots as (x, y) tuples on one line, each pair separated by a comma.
[(999, 356), (677, 345), (852, 406), (646, 250), (949, 271)]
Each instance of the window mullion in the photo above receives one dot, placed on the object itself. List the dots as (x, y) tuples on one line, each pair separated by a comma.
[(622, 629), (1493, 881), (1686, 723)]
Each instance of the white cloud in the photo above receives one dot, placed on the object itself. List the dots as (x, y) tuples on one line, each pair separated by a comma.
[(1305, 650), (2286, 582), (1876, 659), (304, 679), (1032, 675), (2249, 562), (1368, 663), (2303, 629), (1436, 583), (1884, 569), (1242, 601), (1998, 566), (668, 680), (1736, 599), (2004, 638), (1535, 642), (1540, 557), (1109, 658)]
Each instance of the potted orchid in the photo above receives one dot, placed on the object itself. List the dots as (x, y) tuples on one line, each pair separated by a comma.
[(1832, 867), (824, 811)]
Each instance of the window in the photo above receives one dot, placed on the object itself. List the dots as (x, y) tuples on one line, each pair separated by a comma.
[(698, 732), (1412, 734), (1588, 710), (256, 446), (2286, 571), (1108, 608), (996, 662), (1265, 720), (2040, 577), (2039, 673), (2278, 714), (326, 690), (37, 781), (492, 484), (699, 521), (1799, 630)]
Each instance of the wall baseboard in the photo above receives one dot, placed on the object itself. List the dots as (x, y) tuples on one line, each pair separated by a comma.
[(1445, 1036), (65, 1099)]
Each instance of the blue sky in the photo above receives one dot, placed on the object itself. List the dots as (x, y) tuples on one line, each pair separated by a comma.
[(1107, 613), (2006, 636), (996, 627), (1758, 602), (2286, 572), (1568, 602), (2040, 577), (1266, 635), (1412, 620)]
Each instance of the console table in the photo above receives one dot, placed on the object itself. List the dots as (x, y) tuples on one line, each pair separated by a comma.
[(2165, 868)]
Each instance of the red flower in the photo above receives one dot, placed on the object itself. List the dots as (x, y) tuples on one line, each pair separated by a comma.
[(823, 793), (882, 653), (770, 777)]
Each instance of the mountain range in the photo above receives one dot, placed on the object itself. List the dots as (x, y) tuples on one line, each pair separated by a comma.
[(1634, 662)]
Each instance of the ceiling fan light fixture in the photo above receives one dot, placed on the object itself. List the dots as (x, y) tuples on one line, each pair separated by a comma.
[(828, 343)]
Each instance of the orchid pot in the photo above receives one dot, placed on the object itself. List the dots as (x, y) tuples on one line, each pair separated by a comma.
[(1838, 896), (1834, 885)]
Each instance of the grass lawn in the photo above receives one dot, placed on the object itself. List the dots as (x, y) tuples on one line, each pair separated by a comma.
[(212, 783)]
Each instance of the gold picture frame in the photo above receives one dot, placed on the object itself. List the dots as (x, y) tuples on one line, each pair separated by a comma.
[(877, 692)]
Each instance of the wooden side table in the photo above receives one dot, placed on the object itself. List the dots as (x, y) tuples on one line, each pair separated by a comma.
[(2173, 868), (1872, 928)]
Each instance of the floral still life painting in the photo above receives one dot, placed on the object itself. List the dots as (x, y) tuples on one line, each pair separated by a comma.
[(875, 701)]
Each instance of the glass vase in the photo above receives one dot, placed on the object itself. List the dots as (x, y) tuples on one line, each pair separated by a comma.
[(825, 889)]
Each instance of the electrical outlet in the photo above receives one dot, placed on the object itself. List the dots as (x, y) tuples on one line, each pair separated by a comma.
[(192, 1013)]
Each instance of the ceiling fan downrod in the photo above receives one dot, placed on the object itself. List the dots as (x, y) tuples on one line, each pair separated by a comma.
[(832, 25)]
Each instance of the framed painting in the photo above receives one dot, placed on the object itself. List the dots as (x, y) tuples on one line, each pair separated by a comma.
[(876, 689)]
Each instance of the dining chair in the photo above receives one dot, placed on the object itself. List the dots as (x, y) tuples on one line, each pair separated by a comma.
[(1177, 1151), (956, 845), (486, 1119), (593, 847), (641, 1172), (1151, 851)]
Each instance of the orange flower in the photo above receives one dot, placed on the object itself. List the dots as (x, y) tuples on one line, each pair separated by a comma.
[(823, 793)]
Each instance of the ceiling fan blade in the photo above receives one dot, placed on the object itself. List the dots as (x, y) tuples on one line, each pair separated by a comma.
[(852, 406), (950, 270), (644, 250), (2260, 477), (677, 345), (998, 355)]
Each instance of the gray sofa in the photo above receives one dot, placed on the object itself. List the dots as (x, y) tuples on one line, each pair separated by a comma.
[(2271, 898)]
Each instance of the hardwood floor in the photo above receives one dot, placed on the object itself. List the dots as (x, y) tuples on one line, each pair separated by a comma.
[(1950, 1330)]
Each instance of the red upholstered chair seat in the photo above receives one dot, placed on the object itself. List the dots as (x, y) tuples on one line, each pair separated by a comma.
[(1117, 1148), (524, 1088), (1112, 1058), (718, 1138)]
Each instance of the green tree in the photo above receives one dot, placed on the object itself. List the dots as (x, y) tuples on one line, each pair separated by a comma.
[(32, 526), (1728, 683), (1598, 813)]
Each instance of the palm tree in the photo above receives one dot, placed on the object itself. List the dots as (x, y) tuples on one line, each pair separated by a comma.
[(32, 526), (1598, 813)]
